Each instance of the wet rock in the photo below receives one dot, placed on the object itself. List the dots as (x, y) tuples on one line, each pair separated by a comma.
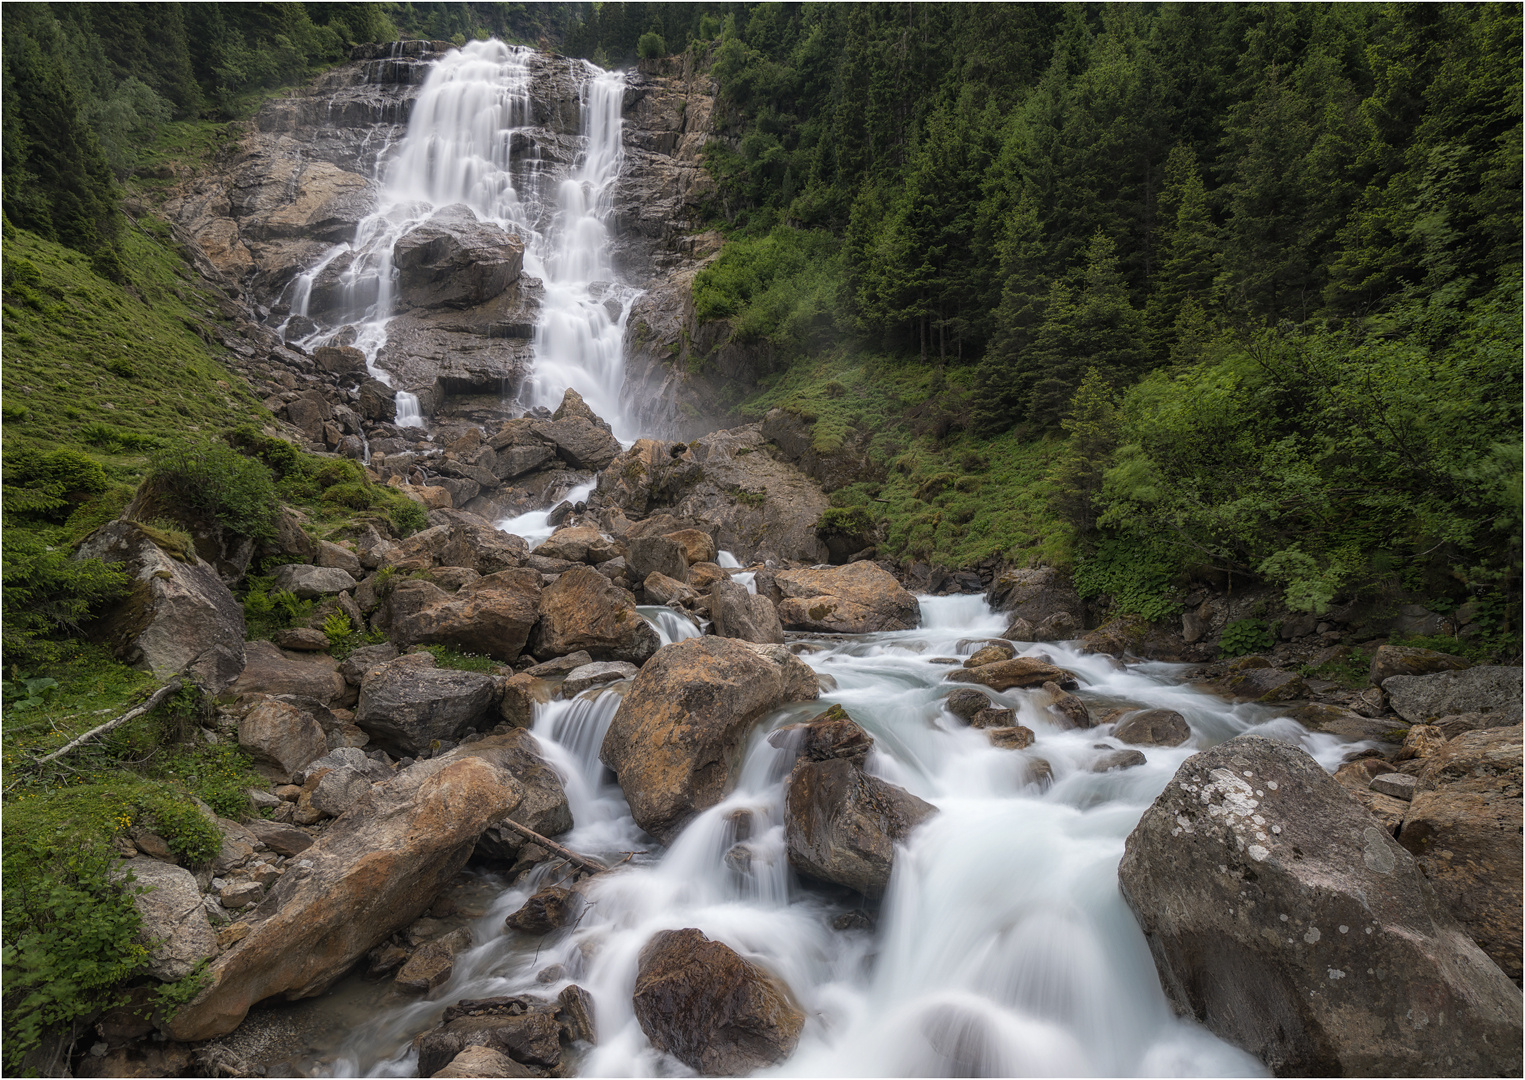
[(517, 706), (407, 706), (738, 613), (860, 598), (174, 926), (990, 654), (842, 825), (712, 1009), (684, 721), (282, 738), (178, 617), (582, 444), (1417, 698), (583, 611), (1266, 684), (454, 260), (965, 703), (833, 734), (1463, 829), (558, 665), (483, 1061), (522, 1029), (574, 1011), (1019, 630), (1015, 737), (376, 870), (433, 962), (1349, 725), (491, 616), (1018, 671), (1067, 709), (993, 718), (857, 919), (1153, 727), (1035, 595), (596, 674), (1060, 626), (549, 909), (1256, 901), (1390, 660), (1117, 760), (544, 807)]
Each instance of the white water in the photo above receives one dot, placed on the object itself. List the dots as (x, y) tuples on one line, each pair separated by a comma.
[(1003, 946), (459, 149)]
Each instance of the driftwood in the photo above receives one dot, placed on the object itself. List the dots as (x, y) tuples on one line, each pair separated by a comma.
[(131, 714), (582, 862)]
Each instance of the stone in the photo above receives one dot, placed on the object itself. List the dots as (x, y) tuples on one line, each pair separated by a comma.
[(281, 839), (338, 790), (990, 654), (490, 616), (406, 708), (1463, 829), (965, 703), (647, 555), (571, 542), (452, 260), (483, 1061), (1015, 737), (1266, 684), (1117, 760), (1034, 595), (993, 718), (1348, 725), (1067, 709), (282, 738), (558, 665), (833, 734), (596, 674), (433, 962), (1256, 879), (1020, 671), (357, 663), (684, 722), (748, 616), (1153, 727), (698, 546), (376, 870), (549, 909), (241, 894), (523, 1029), (341, 558), (1060, 626), (174, 922), (520, 693), (1485, 688), (860, 598), (301, 639), (1395, 785), (312, 582), (1019, 629), (1390, 660), (661, 589), (178, 617), (711, 1008), (584, 611), (841, 825), (544, 807), (1421, 741), (582, 444)]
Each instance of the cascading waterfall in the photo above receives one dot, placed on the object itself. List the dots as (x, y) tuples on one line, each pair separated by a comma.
[(460, 149), (1003, 945)]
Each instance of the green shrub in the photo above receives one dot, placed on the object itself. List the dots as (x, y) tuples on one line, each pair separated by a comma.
[(1135, 575), (115, 440), (1245, 636), (213, 479), (47, 593), (650, 46), (49, 484)]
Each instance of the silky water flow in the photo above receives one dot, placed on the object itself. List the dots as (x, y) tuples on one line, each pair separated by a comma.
[(1003, 946)]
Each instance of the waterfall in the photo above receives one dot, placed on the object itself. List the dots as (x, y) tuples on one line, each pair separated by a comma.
[(467, 143)]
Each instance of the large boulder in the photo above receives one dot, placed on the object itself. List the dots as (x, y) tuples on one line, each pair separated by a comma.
[(1285, 919), (174, 926), (374, 871), (408, 705), (647, 555), (833, 734), (1349, 725), (581, 443), (454, 260), (458, 538), (178, 617), (523, 1031), (1463, 828), (492, 615), (748, 616), (312, 582), (271, 670), (281, 738), (544, 808), (841, 824), (1488, 688), (1153, 727), (860, 598), (584, 610), (1390, 660), (711, 1008), (575, 543), (684, 721), (1036, 595), (1019, 671)]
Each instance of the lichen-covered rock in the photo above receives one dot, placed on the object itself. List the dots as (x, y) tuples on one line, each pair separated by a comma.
[(1153, 727), (684, 721), (408, 705), (1282, 917), (175, 926), (841, 825), (1486, 688), (583, 610), (860, 598), (1390, 660), (711, 1008)]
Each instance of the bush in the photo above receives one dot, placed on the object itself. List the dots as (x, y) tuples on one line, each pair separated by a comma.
[(49, 484), (220, 483), (650, 46), (1137, 576), (47, 593), (1245, 636)]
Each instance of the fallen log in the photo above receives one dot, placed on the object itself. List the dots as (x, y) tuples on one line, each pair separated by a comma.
[(131, 714), (583, 862)]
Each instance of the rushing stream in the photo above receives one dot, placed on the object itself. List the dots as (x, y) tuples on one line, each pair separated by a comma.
[(1002, 946)]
